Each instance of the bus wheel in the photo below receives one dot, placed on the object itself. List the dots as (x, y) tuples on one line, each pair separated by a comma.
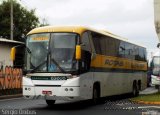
[(139, 85), (157, 87), (95, 98), (135, 90), (50, 102)]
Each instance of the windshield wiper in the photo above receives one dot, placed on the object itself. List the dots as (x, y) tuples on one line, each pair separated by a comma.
[(28, 50), (53, 60), (33, 70), (44, 63), (60, 68)]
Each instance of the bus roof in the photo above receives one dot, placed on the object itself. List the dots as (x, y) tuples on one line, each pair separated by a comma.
[(75, 29)]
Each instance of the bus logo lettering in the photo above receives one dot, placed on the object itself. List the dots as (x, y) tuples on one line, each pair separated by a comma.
[(114, 62)]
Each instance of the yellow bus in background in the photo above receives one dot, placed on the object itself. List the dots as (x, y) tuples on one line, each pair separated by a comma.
[(80, 63)]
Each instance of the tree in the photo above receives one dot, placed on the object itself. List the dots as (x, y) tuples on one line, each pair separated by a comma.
[(24, 20)]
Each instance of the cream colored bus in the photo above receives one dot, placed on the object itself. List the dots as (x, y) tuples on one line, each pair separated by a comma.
[(79, 63)]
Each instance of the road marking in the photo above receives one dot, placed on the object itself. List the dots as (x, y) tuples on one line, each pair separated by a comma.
[(146, 107), (11, 99)]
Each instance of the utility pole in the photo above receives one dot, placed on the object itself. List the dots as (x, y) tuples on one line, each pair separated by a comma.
[(11, 15)]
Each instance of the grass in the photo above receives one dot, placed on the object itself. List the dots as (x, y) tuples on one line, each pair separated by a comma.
[(148, 98)]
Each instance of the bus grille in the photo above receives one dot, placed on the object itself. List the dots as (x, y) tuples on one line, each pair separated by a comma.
[(54, 78)]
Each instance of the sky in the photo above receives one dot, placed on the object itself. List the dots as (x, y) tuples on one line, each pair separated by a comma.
[(131, 19)]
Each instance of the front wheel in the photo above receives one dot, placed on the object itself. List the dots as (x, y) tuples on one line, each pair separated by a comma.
[(96, 95), (50, 102), (157, 87)]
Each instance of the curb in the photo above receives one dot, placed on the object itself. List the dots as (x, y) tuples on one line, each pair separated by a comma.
[(10, 96), (146, 102)]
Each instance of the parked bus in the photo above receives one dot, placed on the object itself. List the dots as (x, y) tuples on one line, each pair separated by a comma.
[(155, 70), (79, 63)]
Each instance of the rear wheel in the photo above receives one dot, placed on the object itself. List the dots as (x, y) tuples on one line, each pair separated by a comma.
[(50, 102), (135, 89)]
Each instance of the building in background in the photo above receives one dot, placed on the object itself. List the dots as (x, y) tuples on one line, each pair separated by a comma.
[(5, 47)]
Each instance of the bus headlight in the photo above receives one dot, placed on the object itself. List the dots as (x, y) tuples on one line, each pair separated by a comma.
[(71, 89)]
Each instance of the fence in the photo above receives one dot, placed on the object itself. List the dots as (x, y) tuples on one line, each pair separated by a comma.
[(10, 81)]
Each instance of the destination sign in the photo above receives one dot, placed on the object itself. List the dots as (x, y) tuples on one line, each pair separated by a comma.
[(40, 39)]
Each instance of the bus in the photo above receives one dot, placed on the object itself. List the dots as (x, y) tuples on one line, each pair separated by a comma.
[(155, 70), (79, 63)]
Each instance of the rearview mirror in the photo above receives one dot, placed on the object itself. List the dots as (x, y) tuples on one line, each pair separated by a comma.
[(78, 52)]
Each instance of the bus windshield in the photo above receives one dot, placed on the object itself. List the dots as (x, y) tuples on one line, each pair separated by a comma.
[(155, 65), (51, 52)]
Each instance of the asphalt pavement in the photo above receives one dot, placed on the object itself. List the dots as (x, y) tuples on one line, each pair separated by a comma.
[(115, 105)]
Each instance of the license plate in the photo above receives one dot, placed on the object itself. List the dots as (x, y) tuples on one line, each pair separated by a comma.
[(47, 92)]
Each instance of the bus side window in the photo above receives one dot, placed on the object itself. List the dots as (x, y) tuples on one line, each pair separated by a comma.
[(96, 41), (85, 42), (145, 54), (141, 54), (136, 50), (122, 49), (129, 52), (86, 52)]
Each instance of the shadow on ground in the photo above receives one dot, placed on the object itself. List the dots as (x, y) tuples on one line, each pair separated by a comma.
[(81, 105)]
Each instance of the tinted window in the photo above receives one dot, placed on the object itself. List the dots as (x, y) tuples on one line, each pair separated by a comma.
[(141, 54), (96, 41), (129, 51), (122, 49), (105, 45), (136, 51), (63, 40), (85, 42), (86, 52), (112, 46), (145, 54)]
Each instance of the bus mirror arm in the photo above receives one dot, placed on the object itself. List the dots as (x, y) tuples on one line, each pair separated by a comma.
[(83, 44)]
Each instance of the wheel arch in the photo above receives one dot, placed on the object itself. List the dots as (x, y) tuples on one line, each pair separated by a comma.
[(97, 85)]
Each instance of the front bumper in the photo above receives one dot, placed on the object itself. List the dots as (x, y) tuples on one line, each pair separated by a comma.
[(155, 80), (58, 93)]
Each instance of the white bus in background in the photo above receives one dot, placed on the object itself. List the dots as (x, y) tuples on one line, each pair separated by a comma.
[(155, 62), (155, 69), (79, 63)]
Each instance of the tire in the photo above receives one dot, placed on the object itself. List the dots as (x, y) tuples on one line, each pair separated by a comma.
[(159, 89), (139, 85), (156, 86), (135, 90), (96, 95), (50, 102)]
